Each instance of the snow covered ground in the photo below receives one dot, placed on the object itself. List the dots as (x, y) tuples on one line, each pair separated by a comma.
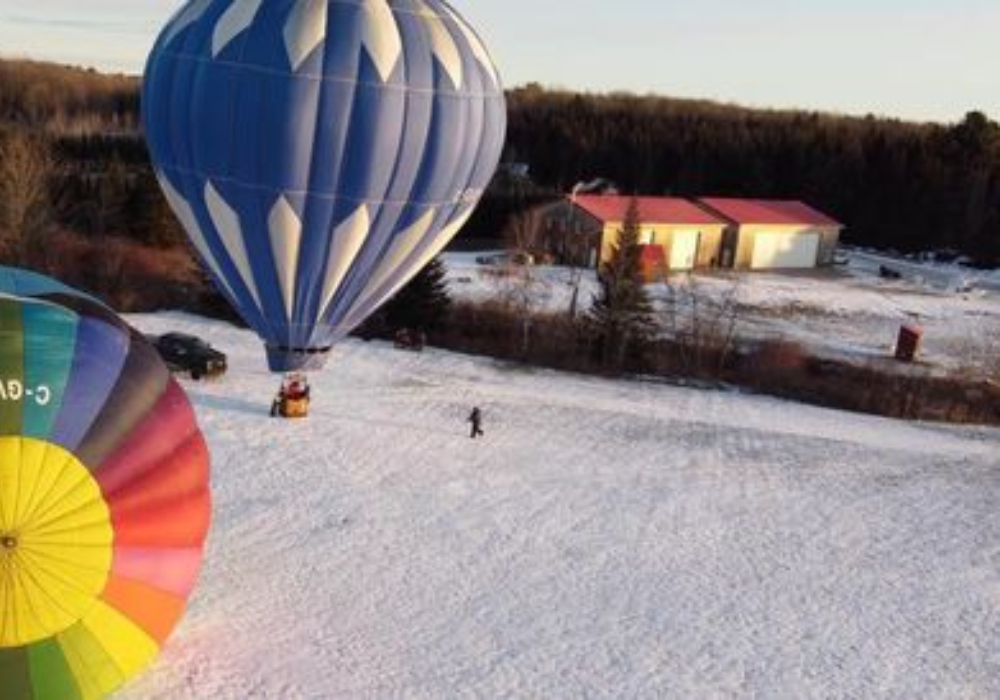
[(605, 539), (844, 312)]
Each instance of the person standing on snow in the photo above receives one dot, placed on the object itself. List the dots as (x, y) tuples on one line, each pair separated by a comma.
[(476, 418)]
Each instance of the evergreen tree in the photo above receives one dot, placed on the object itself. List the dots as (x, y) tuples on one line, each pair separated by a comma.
[(621, 315), (423, 304)]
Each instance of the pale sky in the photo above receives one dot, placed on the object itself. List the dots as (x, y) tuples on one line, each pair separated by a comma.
[(919, 59)]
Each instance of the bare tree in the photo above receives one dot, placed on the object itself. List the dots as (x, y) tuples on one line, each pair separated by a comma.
[(577, 247), (521, 233), (25, 207), (578, 244), (701, 324), (979, 354), (520, 291)]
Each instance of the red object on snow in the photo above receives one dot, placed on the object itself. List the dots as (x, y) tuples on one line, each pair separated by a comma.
[(908, 342), (652, 262), (652, 254)]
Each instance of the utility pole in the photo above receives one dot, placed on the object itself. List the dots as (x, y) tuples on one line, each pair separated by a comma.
[(576, 273)]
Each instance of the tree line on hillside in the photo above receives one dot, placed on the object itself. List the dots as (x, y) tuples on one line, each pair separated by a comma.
[(78, 199), (894, 184), (72, 160), (61, 99)]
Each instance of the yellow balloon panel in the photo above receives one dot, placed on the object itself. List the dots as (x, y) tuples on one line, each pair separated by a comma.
[(104, 649), (55, 540)]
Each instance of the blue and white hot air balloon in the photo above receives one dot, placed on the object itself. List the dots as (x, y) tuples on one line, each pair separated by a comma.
[(319, 153)]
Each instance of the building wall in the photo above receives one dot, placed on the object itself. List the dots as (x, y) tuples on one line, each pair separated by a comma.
[(828, 244), (829, 237), (568, 233), (662, 234)]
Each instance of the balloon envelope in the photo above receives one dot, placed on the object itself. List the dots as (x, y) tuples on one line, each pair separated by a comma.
[(104, 496), (319, 153)]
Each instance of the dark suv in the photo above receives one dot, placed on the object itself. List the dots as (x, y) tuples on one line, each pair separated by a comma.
[(186, 353)]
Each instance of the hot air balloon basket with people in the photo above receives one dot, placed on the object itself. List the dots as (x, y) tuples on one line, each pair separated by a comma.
[(292, 399)]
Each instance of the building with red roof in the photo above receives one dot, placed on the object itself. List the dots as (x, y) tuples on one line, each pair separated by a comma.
[(774, 234), (586, 228), (713, 232)]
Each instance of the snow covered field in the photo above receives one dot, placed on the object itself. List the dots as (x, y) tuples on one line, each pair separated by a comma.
[(844, 312), (604, 540)]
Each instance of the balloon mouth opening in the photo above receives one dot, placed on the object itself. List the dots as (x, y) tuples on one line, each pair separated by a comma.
[(8, 542), (284, 359)]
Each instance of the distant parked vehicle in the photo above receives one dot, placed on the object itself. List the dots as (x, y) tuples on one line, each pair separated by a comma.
[(977, 264), (188, 354), (514, 257), (945, 256), (964, 286), (406, 339)]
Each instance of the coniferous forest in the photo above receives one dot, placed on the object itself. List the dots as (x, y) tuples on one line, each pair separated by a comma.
[(894, 184), (74, 174)]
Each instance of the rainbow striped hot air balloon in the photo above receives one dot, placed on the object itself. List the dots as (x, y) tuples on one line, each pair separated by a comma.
[(104, 496)]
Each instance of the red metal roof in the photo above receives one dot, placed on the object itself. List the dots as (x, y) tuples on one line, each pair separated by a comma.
[(652, 210), (767, 211)]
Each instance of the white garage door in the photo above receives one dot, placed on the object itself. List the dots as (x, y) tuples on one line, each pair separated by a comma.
[(785, 250), (684, 250)]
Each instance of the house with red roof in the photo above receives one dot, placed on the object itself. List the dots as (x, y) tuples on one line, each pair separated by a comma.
[(767, 234), (680, 234), (677, 234)]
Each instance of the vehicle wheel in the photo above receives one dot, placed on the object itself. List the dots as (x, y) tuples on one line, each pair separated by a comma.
[(196, 374)]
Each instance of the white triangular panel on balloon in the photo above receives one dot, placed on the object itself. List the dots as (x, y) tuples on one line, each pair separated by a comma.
[(347, 241), (406, 242), (380, 36), (443, 45), (184, 18), (189, 221), (233, 22), (285, 230), (430, 252), (305, 30), (390, 267), (227, 223)]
